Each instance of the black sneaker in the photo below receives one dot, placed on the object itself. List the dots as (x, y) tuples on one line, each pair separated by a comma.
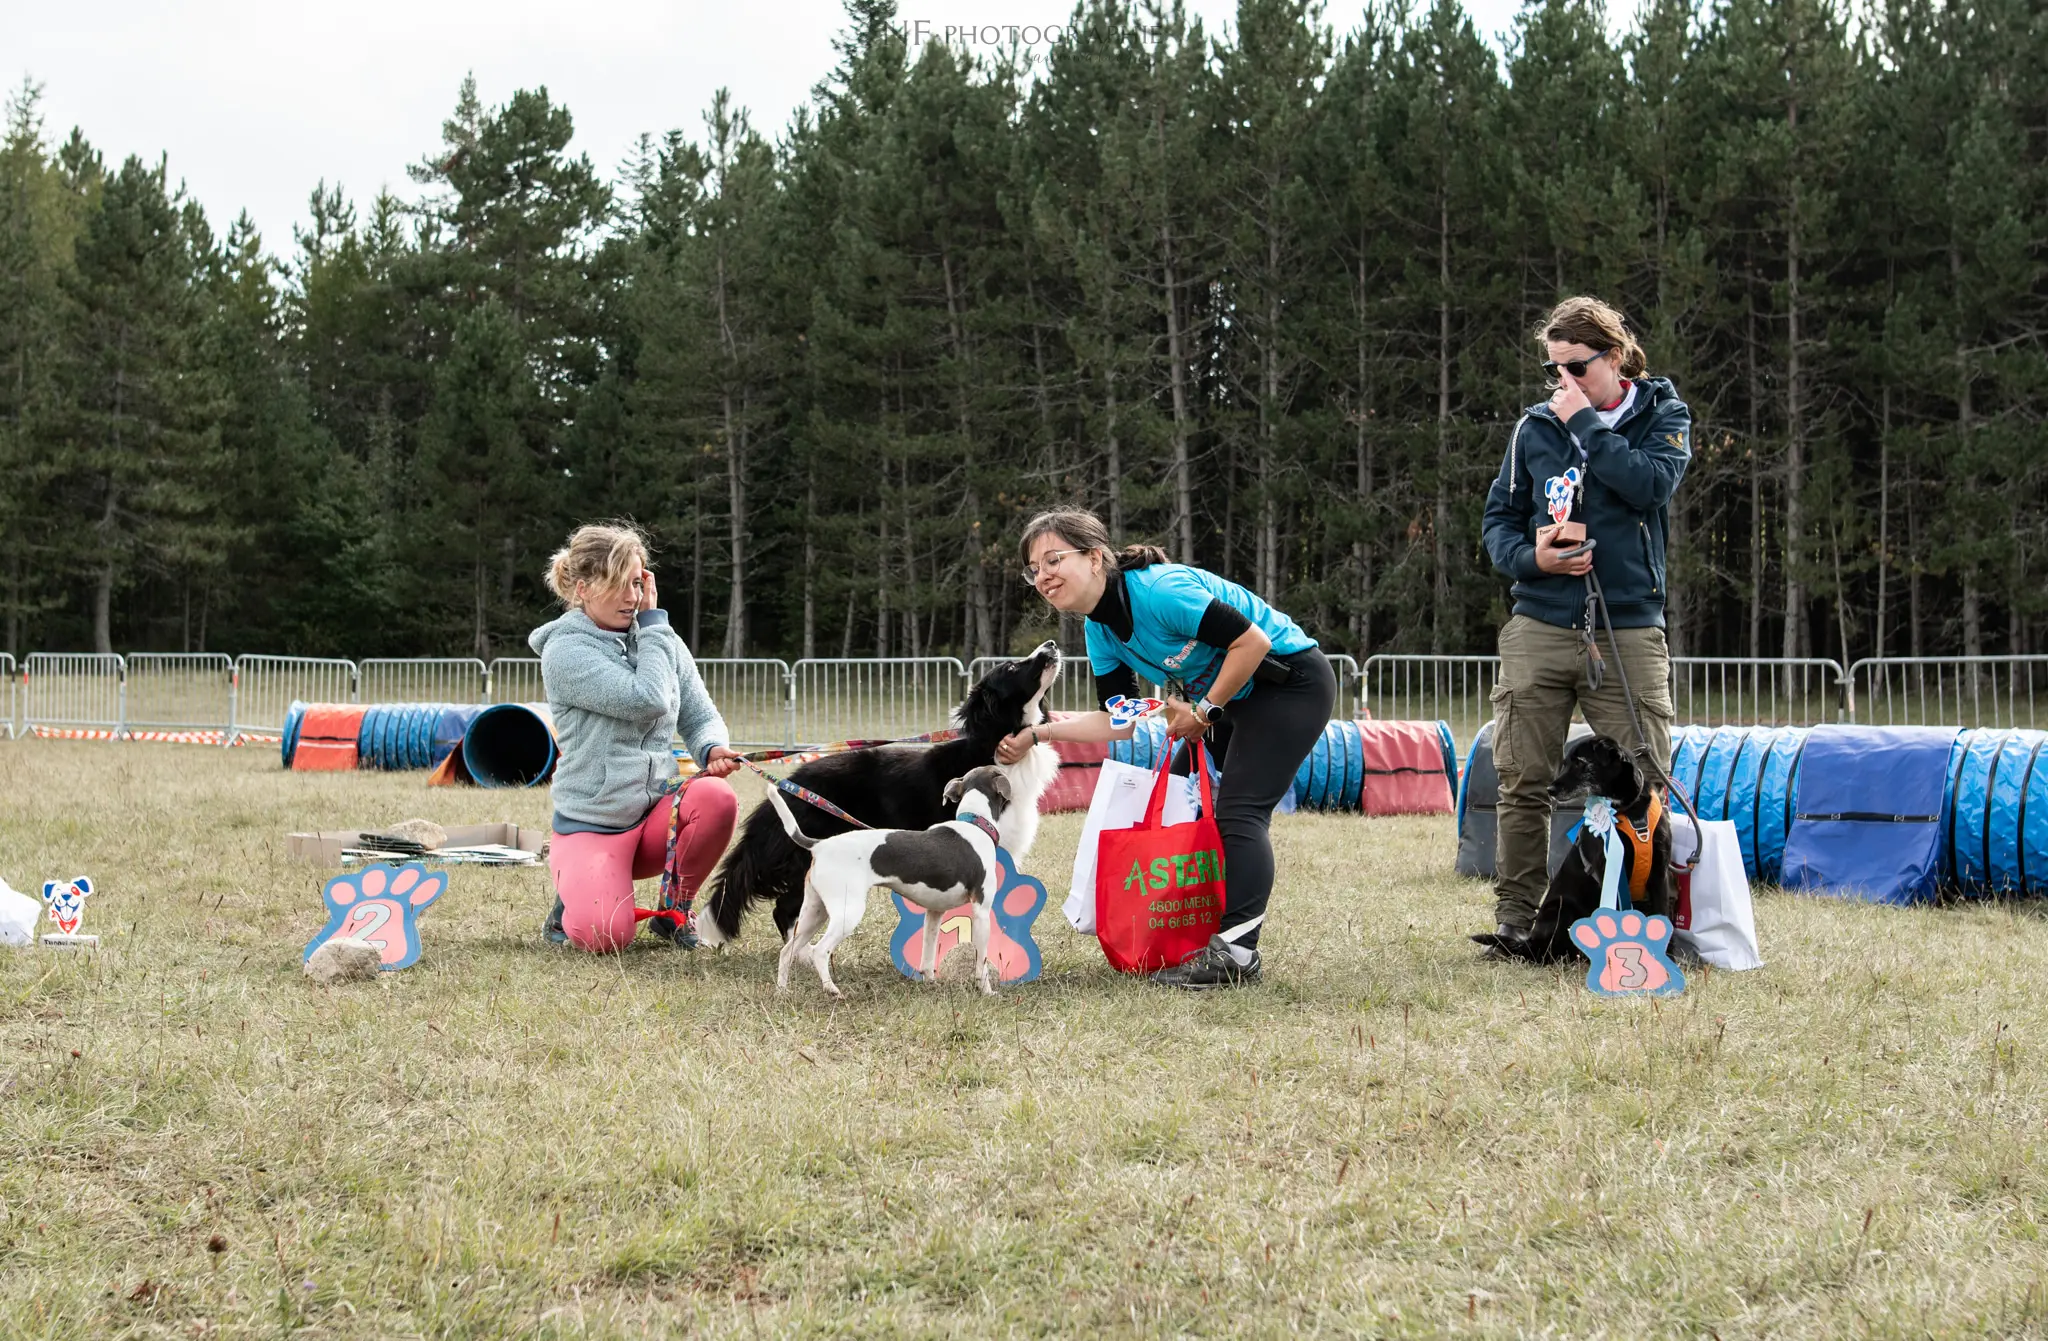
[(552, 928), (1211, 966), (674, 932)]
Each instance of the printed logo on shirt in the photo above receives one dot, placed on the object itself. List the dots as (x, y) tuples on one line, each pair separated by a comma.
[(1180, 658)]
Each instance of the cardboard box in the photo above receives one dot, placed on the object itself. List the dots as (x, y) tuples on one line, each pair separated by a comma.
[(324, 848)]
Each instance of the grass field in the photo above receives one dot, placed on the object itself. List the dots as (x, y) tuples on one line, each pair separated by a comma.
[(1387, 1138)]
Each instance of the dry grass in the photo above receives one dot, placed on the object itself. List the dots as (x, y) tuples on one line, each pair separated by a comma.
[(1387, 1138)]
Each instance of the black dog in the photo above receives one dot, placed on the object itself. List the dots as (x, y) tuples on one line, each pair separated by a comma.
[(893, 787), (1596, 766)]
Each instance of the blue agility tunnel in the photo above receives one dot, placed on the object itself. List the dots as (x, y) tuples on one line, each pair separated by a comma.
[(510, 745), (1998, 812), (1871, 812), (1743, 774), (408, 735)]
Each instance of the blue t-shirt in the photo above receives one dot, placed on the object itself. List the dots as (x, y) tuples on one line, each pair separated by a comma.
[(1167, 601)]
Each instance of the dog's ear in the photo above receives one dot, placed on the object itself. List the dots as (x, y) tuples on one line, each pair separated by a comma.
[(1000, 785), (954, 790)]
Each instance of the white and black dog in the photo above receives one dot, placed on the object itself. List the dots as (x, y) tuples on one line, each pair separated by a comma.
[(894, 787), (938, 869)]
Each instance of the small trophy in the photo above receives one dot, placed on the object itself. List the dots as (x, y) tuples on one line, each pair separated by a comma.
[(1559, 491), (66, 899)]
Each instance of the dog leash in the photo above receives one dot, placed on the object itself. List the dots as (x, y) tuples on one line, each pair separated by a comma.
[(1596, 609), (675, 904)]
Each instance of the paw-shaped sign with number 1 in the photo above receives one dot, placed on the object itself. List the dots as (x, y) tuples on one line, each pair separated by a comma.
[(1630, 954), (380, 904)]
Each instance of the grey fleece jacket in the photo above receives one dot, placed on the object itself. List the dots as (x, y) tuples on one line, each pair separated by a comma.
[(619, 700)]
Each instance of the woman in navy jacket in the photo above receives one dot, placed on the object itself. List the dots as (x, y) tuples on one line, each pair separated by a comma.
[(1607, 451), (1233, 667)]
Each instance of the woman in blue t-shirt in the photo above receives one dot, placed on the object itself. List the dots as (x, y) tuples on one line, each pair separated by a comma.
[(1232, 666)]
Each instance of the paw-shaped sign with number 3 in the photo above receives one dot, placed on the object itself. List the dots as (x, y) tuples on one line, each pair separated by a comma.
[(380, 904), (1123, 711), (1630, 954)]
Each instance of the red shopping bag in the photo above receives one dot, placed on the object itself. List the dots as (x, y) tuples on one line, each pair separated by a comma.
[(1159, 887)]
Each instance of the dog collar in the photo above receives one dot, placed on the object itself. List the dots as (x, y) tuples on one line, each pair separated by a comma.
[(985, 826)]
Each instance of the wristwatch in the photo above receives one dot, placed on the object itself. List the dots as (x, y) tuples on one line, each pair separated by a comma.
[(1207, 711)]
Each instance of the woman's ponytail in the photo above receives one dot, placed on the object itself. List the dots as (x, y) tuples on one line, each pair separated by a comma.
[(1079, 528)]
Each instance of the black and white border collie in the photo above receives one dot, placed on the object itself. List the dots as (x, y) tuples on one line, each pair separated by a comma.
[(893, 787)]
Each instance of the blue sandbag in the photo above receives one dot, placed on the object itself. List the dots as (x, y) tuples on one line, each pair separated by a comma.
[(1870, 809), (1443, 729)]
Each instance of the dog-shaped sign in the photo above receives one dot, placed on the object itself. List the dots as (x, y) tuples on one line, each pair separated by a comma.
[(66, 899)]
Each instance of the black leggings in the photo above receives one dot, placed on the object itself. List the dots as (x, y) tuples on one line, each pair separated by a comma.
[(1259, 745)]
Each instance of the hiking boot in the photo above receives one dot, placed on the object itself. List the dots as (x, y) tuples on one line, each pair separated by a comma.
[(552, 928), (1211, 966)]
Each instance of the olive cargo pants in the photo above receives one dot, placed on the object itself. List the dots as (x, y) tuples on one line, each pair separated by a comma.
[(1542, 677)]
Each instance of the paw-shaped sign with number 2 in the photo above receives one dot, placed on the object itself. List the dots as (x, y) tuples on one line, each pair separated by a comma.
[(380, 904), (1630, 954)]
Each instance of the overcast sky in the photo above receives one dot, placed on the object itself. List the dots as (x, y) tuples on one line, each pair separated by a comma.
[(254, 101)]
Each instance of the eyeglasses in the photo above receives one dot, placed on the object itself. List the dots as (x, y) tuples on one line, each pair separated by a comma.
[(1032, 572), (1576, 367)]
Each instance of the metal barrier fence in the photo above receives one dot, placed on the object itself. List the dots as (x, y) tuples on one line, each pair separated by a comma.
[(769, 702), (266, 687), (1454, 689), (754, 695), (1757, 691), (836, 699), (516, 680), (180, 693), (1950, 691), (1074, 691), (80, 692), (421, 680)]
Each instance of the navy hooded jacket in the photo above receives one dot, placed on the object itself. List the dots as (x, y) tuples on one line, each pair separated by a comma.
[(1630, 472)]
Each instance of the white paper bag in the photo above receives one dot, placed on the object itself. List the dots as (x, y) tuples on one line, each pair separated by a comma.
[(1121, 794), (18, 914), (1714, 916)]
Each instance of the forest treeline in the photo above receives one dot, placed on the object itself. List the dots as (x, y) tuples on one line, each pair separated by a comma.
[(1265, 298)]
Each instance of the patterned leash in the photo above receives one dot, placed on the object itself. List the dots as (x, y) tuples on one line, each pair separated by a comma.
[(676, 902)]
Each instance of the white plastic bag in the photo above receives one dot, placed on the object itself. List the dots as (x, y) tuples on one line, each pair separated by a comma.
[(1712, 906), (1121, 793), (18, 914)]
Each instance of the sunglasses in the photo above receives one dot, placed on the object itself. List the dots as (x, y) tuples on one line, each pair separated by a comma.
[(1576, 367)]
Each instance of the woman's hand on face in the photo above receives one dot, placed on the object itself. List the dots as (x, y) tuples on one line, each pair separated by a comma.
[(1569, 398), (1012, 748), (1181, 721), (721, 761), (650, 599)]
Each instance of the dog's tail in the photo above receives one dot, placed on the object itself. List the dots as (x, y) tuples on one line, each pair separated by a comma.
[(796, 835)]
